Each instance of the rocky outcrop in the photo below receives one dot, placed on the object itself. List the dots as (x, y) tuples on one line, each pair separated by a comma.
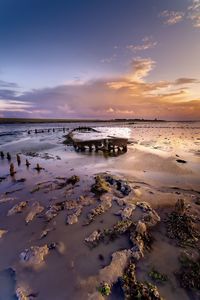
[(93, 237), (34, 256), (126, 212), (100, 186), (73, 218), (150, 216), (18, 208), (35, 209)]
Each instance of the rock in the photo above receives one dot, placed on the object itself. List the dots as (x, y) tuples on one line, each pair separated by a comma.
[(181, 226), (141, 228), (138, 247), (73, 180), (6, 199), (71, 204), (134, 289), (115, 269), (18, 208), (58, 246), (45, 232), (121, 185), (72, 219), (127, 211), (150, 217), (145, 207), (181, 161), (93, 237), (85, 200), (36, 209), (120, 201), (34, 256), (52, 212), (181, 207), (100, 186), (99, 210), (2, 232), (108, 197), (22, 293)]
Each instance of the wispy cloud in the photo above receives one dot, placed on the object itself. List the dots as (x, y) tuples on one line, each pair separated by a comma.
[(185, 80), (5, 84), (15, 106), (110, 59), (194, 13), (171, 17), (147, 43)]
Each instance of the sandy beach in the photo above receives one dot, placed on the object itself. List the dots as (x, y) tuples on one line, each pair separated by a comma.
[(92, 225)]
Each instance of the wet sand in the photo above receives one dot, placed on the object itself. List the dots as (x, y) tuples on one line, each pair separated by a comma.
[(70, 271)]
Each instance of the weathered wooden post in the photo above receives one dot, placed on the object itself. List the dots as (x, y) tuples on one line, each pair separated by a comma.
[(38, 168), (27, 163), (12, 169), (8, 156), (18, 159)]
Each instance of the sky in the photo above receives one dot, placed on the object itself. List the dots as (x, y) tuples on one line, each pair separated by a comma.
[(100, 59)]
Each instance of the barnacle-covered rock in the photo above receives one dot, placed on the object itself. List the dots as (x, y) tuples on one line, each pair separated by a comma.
[(18, 208), (33, 256), (35, 209)]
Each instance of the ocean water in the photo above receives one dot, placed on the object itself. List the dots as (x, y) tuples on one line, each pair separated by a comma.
[(166, 136)]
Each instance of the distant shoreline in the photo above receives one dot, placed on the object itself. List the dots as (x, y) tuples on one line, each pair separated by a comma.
[(32, 121)]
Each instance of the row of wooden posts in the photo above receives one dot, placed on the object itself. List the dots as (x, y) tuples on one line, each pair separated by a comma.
[(12, 168), (46, 130)]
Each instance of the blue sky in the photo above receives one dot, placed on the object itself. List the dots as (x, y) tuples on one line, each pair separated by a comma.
[(59, 58)]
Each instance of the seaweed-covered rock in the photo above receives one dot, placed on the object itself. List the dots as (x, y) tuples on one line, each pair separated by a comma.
[(100, 186), (73, 179), (35, 209), (157, 276), (181, 226), (33, 256), (134, 289), (18, 208), (141, 240), (104, 289), (189, 273), (121, 185)]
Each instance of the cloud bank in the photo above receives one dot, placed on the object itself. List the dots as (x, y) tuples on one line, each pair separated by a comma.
[(130, 96)]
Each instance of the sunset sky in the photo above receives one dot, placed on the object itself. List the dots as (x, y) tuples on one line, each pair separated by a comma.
[(100, 59)]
